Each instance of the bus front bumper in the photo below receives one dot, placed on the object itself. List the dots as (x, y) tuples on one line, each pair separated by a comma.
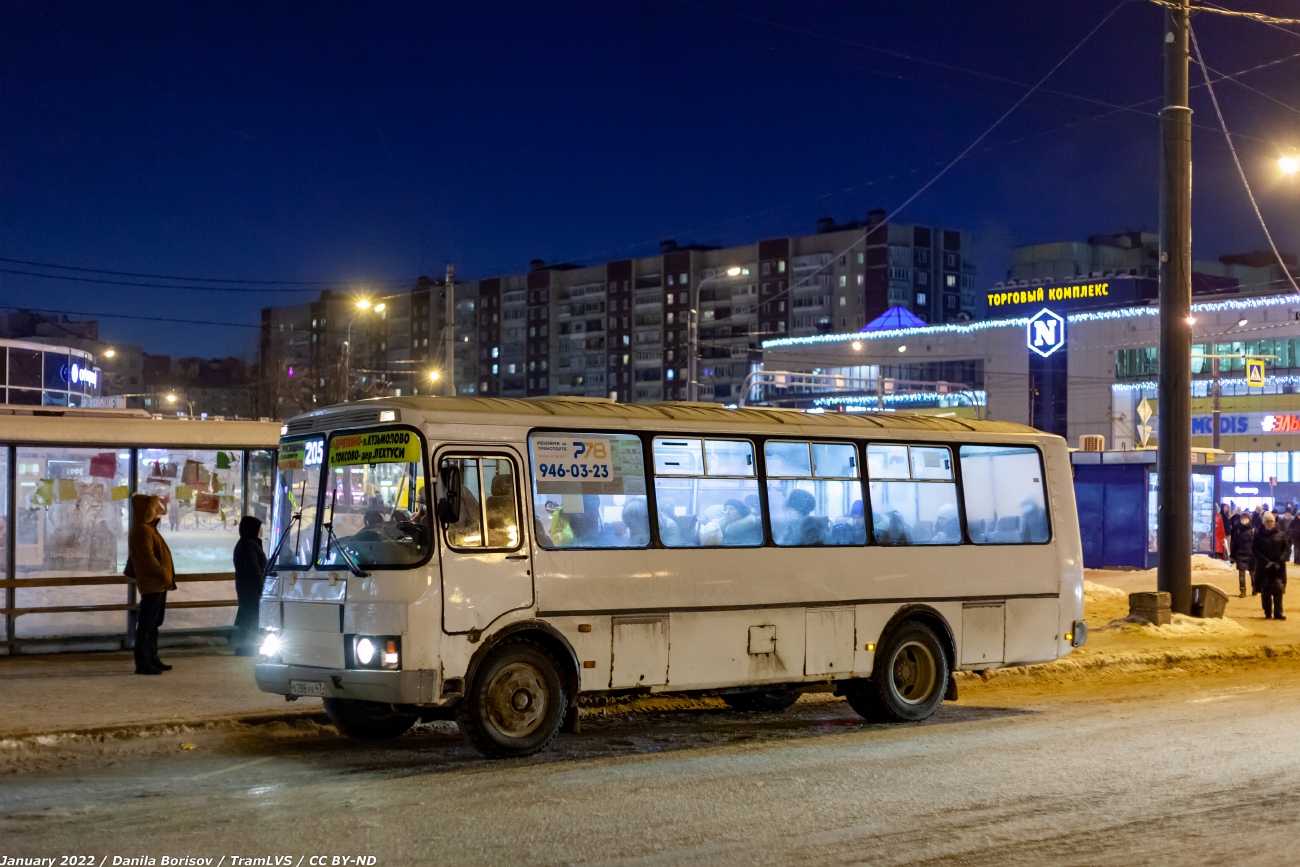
[(392, 687)]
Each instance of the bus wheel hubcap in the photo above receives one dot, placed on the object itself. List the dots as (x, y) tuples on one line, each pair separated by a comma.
[(517, 700), (914, 672)]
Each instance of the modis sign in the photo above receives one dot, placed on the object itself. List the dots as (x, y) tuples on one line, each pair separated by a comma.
[(1046, 332)]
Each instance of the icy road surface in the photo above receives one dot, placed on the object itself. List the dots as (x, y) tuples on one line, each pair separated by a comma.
[(1124, 769)]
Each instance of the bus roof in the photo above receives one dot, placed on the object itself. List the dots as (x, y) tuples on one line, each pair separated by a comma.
[(552, 411), (125, 428)]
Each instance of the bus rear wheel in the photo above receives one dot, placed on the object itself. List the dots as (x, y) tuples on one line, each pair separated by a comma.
[(516, 703), (367, 720), (908, 680), (765, 701)]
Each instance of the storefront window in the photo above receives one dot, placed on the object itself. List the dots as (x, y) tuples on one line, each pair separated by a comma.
[(203, 493), (71, 520), (261, 484)]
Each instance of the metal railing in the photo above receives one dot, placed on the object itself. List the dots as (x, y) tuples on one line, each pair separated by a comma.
[(785, 386), (124, 639)]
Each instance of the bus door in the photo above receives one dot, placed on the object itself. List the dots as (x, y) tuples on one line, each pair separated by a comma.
[(487, 569)]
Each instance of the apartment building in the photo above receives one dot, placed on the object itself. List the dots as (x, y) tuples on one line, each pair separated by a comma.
[(621, 329), (617, 329)]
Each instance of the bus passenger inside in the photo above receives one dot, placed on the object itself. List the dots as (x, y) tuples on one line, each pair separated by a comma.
[(801, 526)]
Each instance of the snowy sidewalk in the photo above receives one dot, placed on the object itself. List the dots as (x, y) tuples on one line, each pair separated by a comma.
[(80, 692)]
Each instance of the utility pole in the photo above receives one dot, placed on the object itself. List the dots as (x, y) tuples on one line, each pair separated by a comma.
[(1174, 504), (449, 329)]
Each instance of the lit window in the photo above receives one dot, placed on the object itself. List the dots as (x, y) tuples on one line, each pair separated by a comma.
[(844, 279), (496, 352), (950, 281)]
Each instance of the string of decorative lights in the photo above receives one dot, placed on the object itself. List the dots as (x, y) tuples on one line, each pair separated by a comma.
[(1234, 304)]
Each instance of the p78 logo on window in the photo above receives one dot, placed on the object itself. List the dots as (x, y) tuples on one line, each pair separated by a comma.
[(591, 451)]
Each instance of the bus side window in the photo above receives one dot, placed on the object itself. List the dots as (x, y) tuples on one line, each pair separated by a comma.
[(589, 491), (814, 494), (916, 503), (707, 492), (1004, 495), (467, 532)]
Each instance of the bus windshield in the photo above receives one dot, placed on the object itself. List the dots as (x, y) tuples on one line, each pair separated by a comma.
[(293, 515), (375, 510)]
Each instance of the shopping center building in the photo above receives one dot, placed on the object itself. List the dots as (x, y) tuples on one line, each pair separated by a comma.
[(1075, 358), (41, 374)]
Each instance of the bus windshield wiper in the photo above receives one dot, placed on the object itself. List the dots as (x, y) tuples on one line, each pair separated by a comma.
[(332, 539), (295, 518)]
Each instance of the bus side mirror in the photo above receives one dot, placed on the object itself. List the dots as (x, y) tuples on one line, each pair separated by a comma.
[(449, 503)]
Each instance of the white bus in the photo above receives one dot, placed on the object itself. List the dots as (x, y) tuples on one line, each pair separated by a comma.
[(494, 559)]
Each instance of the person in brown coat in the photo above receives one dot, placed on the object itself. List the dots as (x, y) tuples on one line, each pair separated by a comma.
[(149, 562)]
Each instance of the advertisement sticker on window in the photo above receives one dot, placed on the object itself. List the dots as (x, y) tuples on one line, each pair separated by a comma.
[(375, 447), (578, 464)]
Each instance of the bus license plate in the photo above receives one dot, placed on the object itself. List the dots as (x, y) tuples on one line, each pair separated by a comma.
[(306, 687)]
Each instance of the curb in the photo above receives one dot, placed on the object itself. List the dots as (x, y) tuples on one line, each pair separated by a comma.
[(1075, 666), (163, 727), (1079, 665)]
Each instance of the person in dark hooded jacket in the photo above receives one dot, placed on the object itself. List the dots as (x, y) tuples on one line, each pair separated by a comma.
[(1243, 552), (1270, 547), (250, 568), (149, 562)]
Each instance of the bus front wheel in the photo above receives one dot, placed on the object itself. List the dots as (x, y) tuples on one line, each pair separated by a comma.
[(908, 679), (516, 703), (367, 720)]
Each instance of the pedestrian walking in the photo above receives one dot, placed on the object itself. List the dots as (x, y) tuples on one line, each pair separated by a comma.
[(1243, 554), (1221, 533), (250, 569), (1270, 547), (149, 562), (1293, 533)]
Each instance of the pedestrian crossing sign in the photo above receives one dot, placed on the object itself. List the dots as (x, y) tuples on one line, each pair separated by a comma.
[(1254, 373)]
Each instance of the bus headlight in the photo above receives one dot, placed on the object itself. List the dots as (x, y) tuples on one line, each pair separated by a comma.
[(365, 651), (270, 645), (375, 651)]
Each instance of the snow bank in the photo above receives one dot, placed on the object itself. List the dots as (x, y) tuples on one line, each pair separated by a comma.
[(1102, 592), (1181, 626)]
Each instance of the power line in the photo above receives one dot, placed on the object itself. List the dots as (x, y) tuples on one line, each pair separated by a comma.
[(1237, 161), (128, 316), (56, 265), (962, 155)]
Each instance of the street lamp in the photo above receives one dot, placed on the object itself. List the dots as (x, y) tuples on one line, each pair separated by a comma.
[(172, 398), (1214, 379), (364, 306), (693, 330), (434, 375), (1289, 165), (110, 352)]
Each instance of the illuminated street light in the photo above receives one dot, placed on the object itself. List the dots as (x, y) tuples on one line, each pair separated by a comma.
[(363, 303), (1241, 323), (1289, 165), (857, 346), (733, 271), (1191, 320), (110, 352), (434, 376), (172, 398), (379, 308)]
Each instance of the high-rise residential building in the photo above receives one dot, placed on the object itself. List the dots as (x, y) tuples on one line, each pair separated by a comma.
[(329, 350), (621, 328)]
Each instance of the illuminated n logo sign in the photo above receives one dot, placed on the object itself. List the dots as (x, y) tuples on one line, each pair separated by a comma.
[(1046, 332)]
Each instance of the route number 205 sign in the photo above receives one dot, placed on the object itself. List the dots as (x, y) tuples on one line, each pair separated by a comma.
[(573, 459)]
